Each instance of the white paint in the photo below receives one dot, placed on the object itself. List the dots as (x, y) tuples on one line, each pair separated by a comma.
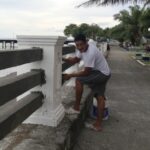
[(52, 111), (103, 47), (140, 62)]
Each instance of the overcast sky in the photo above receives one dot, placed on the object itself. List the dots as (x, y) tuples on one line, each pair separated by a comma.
[(49, 17)]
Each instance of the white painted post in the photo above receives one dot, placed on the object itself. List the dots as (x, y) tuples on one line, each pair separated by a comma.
[(52, 111)]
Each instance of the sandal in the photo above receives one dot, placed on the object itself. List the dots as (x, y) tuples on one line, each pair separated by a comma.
[(72, 111), (91, 126)]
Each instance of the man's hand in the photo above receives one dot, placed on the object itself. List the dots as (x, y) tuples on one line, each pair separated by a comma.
[(71, 60), (66, 76), (83, 73), (64, 59)]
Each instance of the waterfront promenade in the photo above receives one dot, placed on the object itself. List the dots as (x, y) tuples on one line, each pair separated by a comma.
[(128, 127)]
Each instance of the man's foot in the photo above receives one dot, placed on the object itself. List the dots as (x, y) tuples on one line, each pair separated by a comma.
[(97, 126), (105, 118), (93, 127), (72, 111)]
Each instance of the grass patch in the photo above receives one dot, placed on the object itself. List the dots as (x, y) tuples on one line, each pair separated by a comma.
[(146, 62), (133, 55)]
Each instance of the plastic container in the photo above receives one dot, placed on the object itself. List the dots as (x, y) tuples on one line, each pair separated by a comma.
[(94, 110)]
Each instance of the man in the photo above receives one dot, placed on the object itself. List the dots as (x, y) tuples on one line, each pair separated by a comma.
[(95, 74)]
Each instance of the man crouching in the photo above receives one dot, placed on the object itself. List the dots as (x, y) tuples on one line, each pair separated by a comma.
[(96, 73)]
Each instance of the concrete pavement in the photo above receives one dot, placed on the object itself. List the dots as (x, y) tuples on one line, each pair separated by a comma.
[(128, 91)]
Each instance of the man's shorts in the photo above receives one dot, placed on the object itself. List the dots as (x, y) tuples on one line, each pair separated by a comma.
[(96, 81)]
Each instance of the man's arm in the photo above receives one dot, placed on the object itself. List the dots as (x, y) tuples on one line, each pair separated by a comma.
[(71, 60), (83, 73)]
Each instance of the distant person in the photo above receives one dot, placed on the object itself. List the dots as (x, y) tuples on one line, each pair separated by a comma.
[(147, 48), (95, 74), (108, 47), (108, 50)]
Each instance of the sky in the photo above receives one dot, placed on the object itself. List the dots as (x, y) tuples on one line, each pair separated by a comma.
[(49, 17)]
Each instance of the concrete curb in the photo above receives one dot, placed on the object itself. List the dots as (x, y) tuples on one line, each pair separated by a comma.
[(140, 62)]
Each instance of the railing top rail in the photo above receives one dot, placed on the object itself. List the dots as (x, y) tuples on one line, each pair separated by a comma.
[(18, 57), (68, 49), (8, 40)]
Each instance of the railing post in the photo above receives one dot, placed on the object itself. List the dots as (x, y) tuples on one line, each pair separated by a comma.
[(52, 111)]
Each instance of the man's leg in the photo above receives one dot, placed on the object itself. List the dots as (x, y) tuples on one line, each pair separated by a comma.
[(100, 106), (79, 91)]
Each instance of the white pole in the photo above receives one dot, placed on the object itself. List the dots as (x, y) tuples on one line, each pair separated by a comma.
[(52, 111)]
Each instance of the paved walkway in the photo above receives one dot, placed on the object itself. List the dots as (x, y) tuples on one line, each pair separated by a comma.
[(129, 97)]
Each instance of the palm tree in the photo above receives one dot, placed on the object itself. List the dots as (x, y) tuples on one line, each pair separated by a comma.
[(135, 22), (113, 2)]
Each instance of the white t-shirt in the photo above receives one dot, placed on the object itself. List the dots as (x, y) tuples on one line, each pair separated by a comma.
[(94, 58)]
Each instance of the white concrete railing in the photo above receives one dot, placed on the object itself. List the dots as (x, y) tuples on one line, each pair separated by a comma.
[(103, 47), (52, 111)]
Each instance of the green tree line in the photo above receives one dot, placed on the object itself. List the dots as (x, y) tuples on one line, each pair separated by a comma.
[(91, 31), (133, 24), (113, 2)]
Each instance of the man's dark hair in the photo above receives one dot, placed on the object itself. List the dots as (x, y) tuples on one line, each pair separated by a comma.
[(80, 37)]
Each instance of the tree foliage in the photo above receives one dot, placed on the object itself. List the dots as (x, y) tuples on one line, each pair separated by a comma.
[(91, 31), (70, 29), (135, 22), (113, 2)]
